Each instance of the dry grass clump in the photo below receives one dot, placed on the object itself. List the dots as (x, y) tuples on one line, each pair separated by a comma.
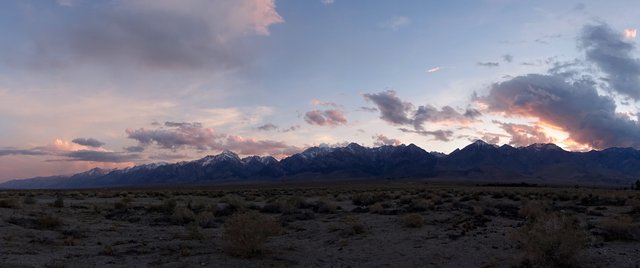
[(246, 233), (422, 204), (551, 240), (167, 206), (29, 200), (412, 220), (350, 226), (368, 198), (620, 228), (48, 221), (206, 219), (182, 216), (58, 203), (376, 208), (325, 205)]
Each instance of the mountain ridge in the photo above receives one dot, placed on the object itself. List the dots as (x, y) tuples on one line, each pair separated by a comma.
[(478, 161)]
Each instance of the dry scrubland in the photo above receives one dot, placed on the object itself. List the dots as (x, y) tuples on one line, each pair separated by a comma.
[(399, 225)]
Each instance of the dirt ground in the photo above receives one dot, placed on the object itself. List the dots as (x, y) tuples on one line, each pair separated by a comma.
[(396, 225)]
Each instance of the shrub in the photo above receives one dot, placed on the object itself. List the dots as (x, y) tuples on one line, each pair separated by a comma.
[(167, 206), (246, 233), (8, 203), (326, 206), (182, 216), (551, 240), (620, 228), (422, 205), (193, 232), (376, 208), (412, 220), (59, 203), (351, 226), (48, 221), (234, 202), (29, 200), (206, 219)]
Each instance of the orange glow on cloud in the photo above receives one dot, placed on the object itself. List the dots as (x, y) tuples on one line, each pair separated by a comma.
[(630, 33)]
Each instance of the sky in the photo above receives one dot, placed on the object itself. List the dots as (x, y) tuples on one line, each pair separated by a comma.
[(117, 83)]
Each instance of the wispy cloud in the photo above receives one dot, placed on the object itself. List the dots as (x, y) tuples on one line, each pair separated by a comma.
[(396, 22), (434, 69), (488, 64)]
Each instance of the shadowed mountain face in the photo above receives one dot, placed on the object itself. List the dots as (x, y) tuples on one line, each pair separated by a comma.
[(479, 161)]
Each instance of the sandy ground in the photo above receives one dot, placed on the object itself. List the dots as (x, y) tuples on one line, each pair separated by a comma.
[(359, 226)]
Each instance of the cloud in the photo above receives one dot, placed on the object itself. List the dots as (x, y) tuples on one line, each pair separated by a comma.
[(325, 118), (13, 151), (380, 140), (488, 64), (327, 2), (316, 102), (91, 142), (545, 38), (134, 149), (177, 136), (507, 58), (392, 109), (433, 70), (396, 22), (630, 33), (429, 113), (441, 135), (397, 112), (157, 34), (101, 156), (523, 135), (248, 146), (573, 106), (184, 136), (291, 128), (614, 56), (368, 109), (267, 127)]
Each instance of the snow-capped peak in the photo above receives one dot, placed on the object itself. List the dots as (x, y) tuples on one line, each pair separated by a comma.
[(226, 155)]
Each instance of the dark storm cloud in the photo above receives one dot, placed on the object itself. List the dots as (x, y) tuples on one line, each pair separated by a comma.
[(392, 109), (575, 106), (100, 156), (614, 56), (91, 142), (488, 64), (325, 118)]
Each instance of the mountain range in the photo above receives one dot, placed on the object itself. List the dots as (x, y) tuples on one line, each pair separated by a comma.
[(477, 162)]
